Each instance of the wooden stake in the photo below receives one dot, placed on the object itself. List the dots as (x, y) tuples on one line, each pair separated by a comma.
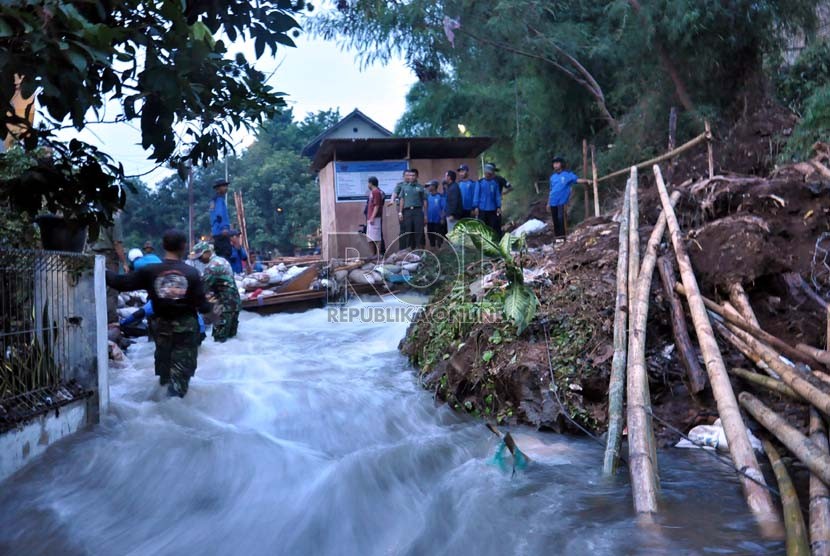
[(766, 381), (709, 149), (616, 385), (819, 493), (816, 460), (697, 380), (642, 455), (585, 177), (797, 544), (736, 320), (758, 498), (594, 178)]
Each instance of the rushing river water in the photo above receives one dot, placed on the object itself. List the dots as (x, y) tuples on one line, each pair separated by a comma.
[(304, 437)]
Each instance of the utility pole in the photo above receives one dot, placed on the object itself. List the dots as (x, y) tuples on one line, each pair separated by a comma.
[(190, 206)]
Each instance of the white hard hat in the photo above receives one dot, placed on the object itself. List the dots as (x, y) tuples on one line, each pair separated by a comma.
[(135, 253)]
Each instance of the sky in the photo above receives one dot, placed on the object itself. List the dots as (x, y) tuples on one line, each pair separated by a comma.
[(317, 75)]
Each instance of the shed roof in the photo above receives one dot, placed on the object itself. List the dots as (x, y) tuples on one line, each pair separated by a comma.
[(311, 149), (399, 148)]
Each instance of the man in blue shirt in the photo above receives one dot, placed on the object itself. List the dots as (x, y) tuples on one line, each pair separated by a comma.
[(487, 200), (560, 192), (436, 211), (220, 222), (467, 188), (239, 257)]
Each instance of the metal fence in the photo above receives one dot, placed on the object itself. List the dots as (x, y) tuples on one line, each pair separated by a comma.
[(48, 332)]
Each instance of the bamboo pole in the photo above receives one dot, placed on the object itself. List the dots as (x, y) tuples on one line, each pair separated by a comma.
[(818, 354), (709, 149), (633, 239), (697, 380), (807, 386), (819, 493), (585, 176), (737, 321), (816, 460), (642, 455), (766, 381), (616, 385), (758, 498), (743, 348), (648, 163), (797, 544), (594, 179), (740, 301)]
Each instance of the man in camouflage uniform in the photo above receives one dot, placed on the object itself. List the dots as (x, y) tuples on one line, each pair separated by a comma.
[(219, 281), (177, 294)]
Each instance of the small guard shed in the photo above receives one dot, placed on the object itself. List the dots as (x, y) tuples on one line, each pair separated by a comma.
[(343, 166)]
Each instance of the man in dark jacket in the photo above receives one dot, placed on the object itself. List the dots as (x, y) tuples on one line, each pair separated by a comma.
[(455, 205), (178, 295)]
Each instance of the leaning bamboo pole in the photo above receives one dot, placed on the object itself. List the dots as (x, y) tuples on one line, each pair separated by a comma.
[(797, 544), (733, 339), (697, 380), (740, 301), (633, 238), (766, 381), (807, 386), (812, 456), (757, 496), (819, 493), (656, 160), (819, 355), (735, 319), (616, 385), (642, 457)]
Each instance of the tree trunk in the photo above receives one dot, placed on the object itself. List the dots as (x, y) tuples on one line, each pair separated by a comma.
[(616, 385), (819, 493), (797, 544), (697, 380), (758, 498), (816, 460)]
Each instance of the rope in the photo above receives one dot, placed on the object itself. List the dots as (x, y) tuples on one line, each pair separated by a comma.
[(714, 454)]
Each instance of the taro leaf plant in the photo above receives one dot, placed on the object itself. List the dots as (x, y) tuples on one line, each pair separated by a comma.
[(520, 302), (162, 63)]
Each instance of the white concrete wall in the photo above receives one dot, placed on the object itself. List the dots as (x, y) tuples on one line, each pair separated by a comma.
[(19, 446)]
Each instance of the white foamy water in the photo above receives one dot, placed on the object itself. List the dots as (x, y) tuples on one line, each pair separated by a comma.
[(308, 437)]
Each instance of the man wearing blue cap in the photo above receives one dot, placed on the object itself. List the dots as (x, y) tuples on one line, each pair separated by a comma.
[(561, 181), (487, 200), (467, 187)]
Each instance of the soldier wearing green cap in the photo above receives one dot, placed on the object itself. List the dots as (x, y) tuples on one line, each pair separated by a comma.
[(219, 281)]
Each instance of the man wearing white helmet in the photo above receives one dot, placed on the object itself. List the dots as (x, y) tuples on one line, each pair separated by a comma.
[(138, 259)]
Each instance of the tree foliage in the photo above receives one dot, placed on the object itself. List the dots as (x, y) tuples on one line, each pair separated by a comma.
[(271, 174), (543, 75), (159, 61)]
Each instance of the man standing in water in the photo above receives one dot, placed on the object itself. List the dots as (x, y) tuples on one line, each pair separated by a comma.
[(219, 281), (177, 294)]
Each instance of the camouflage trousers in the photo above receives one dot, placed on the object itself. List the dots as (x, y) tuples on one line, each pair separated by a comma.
[(177, 345), (228, 322)]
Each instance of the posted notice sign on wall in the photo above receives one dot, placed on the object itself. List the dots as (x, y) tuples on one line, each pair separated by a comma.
[(350, 178)]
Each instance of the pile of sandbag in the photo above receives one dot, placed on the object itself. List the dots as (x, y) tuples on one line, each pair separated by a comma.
[(130, 302)]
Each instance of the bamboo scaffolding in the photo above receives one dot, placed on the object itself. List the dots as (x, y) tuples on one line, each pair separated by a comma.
[(743, 456), (642, 455), (766, 381), (797, 544), (804, 384), (819, 493), (616, 386), (654, 161), (697, 380), (737, 321), (816, 460), (594, 179)]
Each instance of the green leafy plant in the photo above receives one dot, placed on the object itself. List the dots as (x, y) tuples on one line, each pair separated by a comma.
[(520, 302)]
